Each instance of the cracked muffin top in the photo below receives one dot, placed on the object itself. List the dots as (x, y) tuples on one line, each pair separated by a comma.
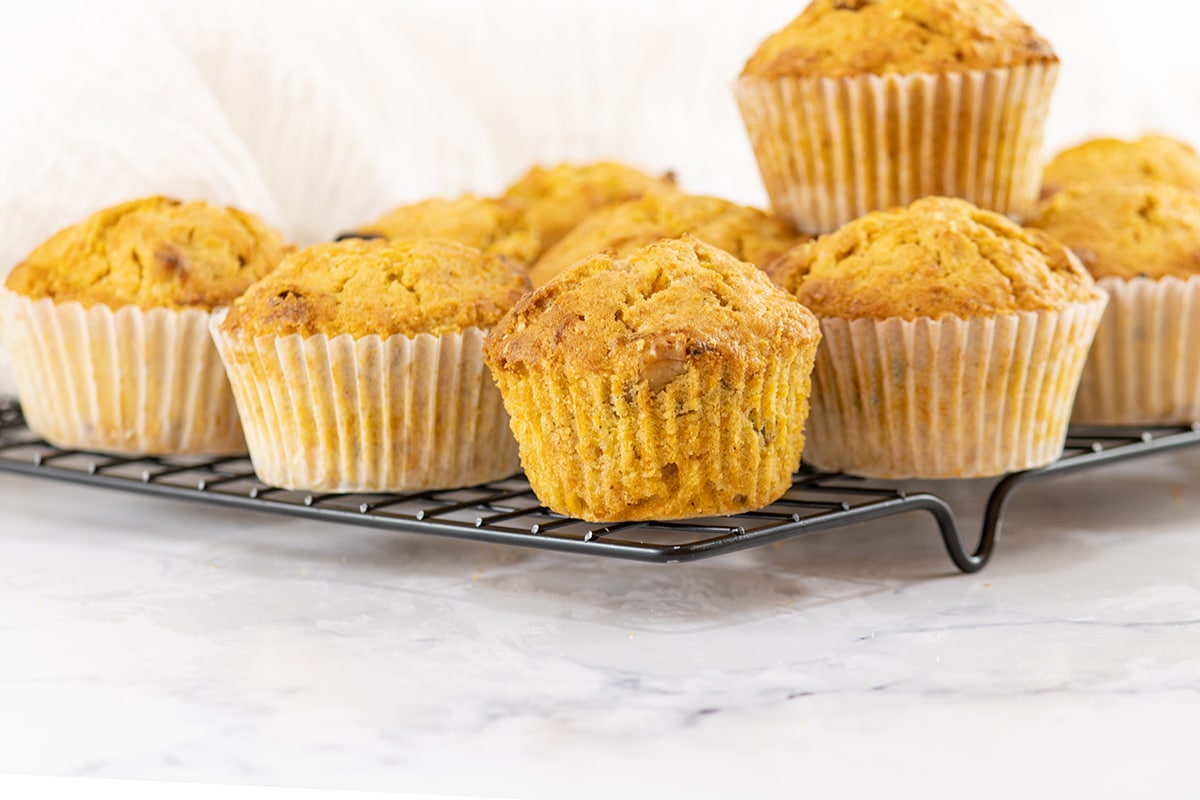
[(838, 38), (384, 287), (746, 233), (937, 257), (559, 198), (1150, 158), (152, 253), (495, 226), (1126, 230), (644, 316)]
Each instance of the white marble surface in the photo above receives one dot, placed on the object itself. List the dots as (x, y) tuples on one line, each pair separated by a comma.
[(151, 639), (147, 639)]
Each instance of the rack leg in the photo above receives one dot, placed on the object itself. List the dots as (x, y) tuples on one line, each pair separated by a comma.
[(967, 562)]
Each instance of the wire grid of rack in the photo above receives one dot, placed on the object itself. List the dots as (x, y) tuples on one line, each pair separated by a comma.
[(507, 511)]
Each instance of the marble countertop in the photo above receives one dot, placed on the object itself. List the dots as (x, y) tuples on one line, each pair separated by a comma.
[(154, 639)]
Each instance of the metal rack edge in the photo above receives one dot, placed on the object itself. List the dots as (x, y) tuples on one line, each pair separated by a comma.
[(662, 554), (1136, 442)]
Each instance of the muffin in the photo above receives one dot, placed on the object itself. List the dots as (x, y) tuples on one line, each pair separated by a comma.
[(106, 324), (1142, 243), (953, 342), (1150, 158), (495, 226), (358, 366), (559, 198), (747, 233), (860, 105), (669, 384)]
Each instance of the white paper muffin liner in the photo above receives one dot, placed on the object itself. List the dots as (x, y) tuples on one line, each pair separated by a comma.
[(1144, 368), (833, 149), (948, 398), (126, 381), (369, 414)]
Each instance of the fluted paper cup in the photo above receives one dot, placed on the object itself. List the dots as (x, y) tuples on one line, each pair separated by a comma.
[(368, 414), (127, 381), (947, 398), (707, 442), (833, 149), (1144, 368)]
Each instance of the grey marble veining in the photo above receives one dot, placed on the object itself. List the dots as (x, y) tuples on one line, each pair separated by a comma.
[(149, 638)]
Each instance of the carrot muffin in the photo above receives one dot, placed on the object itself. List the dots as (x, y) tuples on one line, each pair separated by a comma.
[(559, 198), (358, 366), (106, 325), (1150, 158), (747, 233), (668, 384), (860, 105), (953, 341), (495, 226), (1142, 243)]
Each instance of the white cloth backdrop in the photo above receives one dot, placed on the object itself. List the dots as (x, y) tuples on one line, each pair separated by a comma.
[(318, 115)]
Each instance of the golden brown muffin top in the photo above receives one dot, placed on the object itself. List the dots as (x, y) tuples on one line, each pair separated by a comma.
[(937, 257), (384, 287), (559, 198), (747, 233), (493, 225), (645, 316), (837, 38), (152, 253), (1150, 158), (1124, 229)]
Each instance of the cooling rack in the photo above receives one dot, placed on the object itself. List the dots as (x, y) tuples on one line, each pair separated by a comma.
[(507, 511)]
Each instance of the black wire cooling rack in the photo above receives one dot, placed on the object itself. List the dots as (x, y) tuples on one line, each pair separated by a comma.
[(507, 511)]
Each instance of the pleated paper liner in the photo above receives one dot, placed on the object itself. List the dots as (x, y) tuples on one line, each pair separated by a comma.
[(710, 442), (125, 381), (1144, 368), (833, 149), (948, 398), (369, 414)]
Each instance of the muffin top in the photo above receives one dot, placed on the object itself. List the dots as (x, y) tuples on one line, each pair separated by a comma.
[(837, 38), (937, 257), (1124, 230), (495, 226), (746, 233), (1150, 158), (558, 198), (646, 316), (384, 287), (152, 253)]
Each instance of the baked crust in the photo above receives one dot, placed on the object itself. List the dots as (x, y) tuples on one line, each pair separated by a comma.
[(560, 197), (1150, 158), (746, 233), (837, 38), (1125, 230), (937, 257), (496, 226), (385, 287), (155, 252)]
